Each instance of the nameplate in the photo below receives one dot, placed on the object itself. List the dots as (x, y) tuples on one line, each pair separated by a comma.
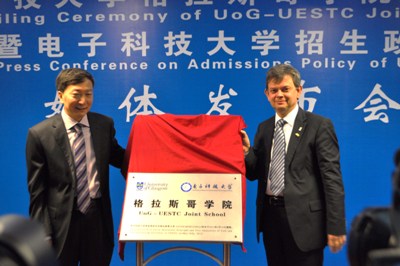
[(182, 207)]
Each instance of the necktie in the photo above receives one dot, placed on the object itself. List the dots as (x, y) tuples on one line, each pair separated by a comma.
[(277, 168), (82, 187)]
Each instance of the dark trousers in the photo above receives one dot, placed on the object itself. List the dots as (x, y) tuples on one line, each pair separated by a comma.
[(280, 247), (87, 243)]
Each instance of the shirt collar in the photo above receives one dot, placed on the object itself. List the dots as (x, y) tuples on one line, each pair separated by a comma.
[(290, 118), (70, 122)]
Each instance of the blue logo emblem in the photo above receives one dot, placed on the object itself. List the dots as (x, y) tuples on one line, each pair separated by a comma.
[(186, 187), (139, 185)]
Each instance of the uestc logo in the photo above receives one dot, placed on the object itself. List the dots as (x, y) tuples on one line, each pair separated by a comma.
[(186, 187)]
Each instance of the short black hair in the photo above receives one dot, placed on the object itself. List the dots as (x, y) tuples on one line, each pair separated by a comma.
[(72, 76)]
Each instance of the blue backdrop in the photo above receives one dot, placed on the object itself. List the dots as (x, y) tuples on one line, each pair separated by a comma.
[(208, 56)]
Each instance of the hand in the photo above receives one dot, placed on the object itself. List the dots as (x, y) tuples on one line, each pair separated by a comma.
[(336, 243), (245, 141)]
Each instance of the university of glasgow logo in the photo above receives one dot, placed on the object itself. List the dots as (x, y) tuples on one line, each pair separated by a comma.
[(139, 185)]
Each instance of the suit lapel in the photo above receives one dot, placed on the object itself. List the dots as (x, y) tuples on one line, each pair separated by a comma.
[(60, 134), (269, 135), (299, 127), (97, 138)]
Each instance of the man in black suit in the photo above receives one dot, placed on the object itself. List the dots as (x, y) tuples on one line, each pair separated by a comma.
[(85, 237), (307, 213)]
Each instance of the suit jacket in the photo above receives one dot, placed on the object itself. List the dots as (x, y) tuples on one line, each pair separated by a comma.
[(51, 173), (314, 192)]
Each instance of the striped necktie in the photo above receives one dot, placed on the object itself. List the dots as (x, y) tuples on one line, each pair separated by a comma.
[(277, 168), (82, 187)]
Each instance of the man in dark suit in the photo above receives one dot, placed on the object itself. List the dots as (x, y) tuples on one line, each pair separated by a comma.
[(78, 236), (307, 212)]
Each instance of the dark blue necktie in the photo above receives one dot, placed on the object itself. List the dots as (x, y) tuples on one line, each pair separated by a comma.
[(82, 187)]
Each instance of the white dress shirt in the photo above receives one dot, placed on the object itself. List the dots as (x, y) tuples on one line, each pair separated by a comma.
[(94, 183), (287, 129)]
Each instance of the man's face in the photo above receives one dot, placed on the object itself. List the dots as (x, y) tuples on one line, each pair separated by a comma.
[(283, 96), (77, 99)]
